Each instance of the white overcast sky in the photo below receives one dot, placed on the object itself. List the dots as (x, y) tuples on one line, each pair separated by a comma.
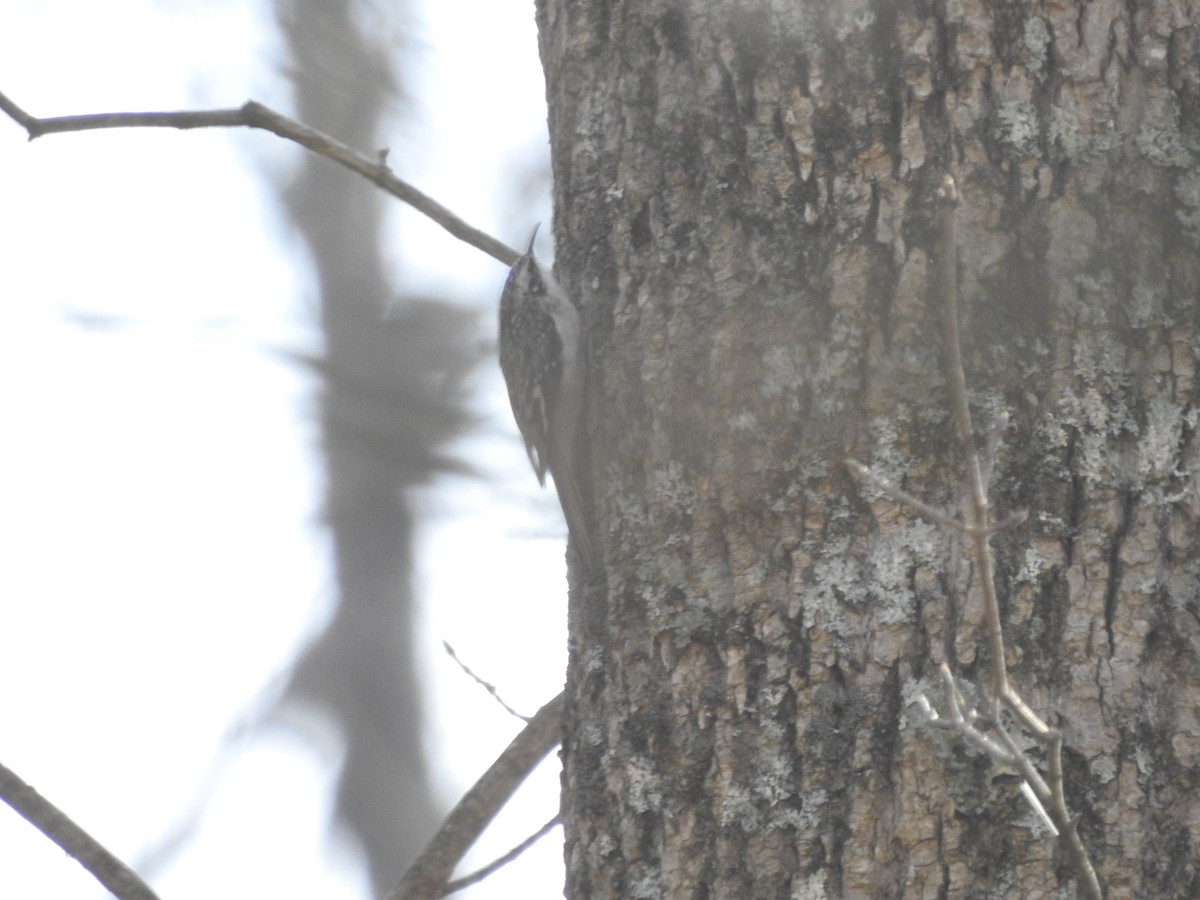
[(161, 554)]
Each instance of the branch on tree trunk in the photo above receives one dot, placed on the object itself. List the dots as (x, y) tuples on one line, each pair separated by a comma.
[(255, 115), (429, 875), (477, 876), (47, 818), (1046, 795)]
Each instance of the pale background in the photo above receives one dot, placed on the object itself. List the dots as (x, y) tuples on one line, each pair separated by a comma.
[(161, 553)]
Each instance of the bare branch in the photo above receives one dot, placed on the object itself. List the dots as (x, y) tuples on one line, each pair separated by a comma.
[(962, 719), (47, 818), (478, 875), (255, 115), (945, 287), (930, 512), (428, 876), (1052, 795), (486, 685), (1045, 795), (905, 498)]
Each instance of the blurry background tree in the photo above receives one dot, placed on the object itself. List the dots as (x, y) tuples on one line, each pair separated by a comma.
[(393, 371)]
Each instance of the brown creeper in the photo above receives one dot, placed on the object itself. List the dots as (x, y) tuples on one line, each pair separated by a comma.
[(542, 358)]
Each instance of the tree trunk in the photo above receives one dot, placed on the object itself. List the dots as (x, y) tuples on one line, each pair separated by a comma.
[(743, 208)]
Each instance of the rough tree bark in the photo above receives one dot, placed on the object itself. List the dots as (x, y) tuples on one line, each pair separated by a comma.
[(742, 206)]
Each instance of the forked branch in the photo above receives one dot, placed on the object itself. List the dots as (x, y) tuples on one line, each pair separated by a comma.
[(429, 875), (988, 732)]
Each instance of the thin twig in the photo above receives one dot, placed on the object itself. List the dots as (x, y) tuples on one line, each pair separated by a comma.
[(486, 685), (47, 818), (946, 290), (1052, 794), (930, 512), (906, 498), (962, 719), (428, 876), (254, 115), (1045, 795), (478, 875)]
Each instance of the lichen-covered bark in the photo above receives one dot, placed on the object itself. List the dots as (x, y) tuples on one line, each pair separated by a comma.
[(742, 206)]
